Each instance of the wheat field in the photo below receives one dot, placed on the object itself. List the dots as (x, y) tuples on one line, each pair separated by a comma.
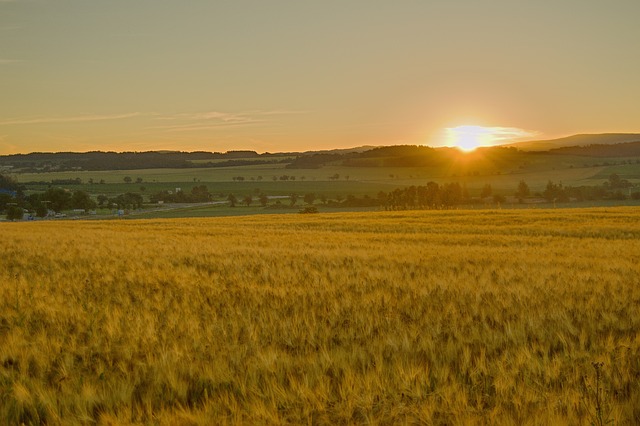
[(447, 317)]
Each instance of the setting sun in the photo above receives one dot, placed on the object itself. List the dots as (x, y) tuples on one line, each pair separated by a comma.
[(468, 138)]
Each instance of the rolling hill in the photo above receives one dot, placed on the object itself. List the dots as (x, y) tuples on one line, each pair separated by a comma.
[(577, 140)]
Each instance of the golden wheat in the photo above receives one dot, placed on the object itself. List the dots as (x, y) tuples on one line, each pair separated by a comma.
[(458, 317)]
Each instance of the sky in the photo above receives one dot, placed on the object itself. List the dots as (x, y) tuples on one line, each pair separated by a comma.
[(274, 76)]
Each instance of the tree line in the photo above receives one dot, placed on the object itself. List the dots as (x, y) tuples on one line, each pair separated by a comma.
[(98, 160)]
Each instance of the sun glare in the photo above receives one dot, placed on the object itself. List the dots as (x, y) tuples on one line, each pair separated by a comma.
[(468, 138)]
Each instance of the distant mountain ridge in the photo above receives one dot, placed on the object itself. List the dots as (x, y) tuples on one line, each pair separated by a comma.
[(577, 140)]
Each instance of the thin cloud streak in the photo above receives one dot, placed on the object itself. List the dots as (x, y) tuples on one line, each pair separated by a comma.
[(497, 133), (212, 120), (76, 119), (213, 115), (228, 116), (511, 133), (197, 127)]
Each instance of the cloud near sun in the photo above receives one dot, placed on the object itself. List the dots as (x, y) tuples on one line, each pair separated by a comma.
[(469, 138)]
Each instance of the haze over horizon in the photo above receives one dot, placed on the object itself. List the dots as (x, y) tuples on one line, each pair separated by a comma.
[(292, 76)]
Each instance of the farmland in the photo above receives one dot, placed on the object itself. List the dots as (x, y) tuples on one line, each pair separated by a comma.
[(437, 317), (164, 185), (332, 182)]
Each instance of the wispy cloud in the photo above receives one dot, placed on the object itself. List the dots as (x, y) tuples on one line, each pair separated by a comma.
[(495, 134), (511, 133), (210, 120), (74, 119), (191, 128), (225, 117)]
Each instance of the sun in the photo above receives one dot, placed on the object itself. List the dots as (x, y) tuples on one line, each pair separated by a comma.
[(468, 138)]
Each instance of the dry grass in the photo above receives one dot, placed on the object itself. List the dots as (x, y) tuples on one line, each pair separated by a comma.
[(459, 317)]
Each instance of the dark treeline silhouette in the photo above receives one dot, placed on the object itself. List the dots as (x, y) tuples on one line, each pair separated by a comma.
[(315, 161), (615, 188), (410, 156), (487, 158), (99, 160), (433, 196), (198, 194)]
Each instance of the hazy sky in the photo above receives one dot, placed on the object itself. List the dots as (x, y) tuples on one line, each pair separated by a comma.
[(294, 75)]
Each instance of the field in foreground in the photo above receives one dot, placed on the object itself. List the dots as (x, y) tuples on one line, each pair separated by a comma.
[(455, 317)]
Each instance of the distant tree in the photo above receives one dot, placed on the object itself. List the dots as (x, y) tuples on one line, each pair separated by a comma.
[(5, 199), (323, 198), (555, 192), (264, 200), (7, 182), (58, 199), (200, 194), (523, 190), (128, 200), (41, 210), (451, 194), (101, 181), (139, 180), (14, 213), (82, 200), (127, 179), (102, 199), (615, 182), (486, 191), (309, 198), (90, 181), (232, 200), (293, 198), (551, 191), (248, 199), (465, 193)]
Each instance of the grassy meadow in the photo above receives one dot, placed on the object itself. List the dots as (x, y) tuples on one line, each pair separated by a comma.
[(430, 317)]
